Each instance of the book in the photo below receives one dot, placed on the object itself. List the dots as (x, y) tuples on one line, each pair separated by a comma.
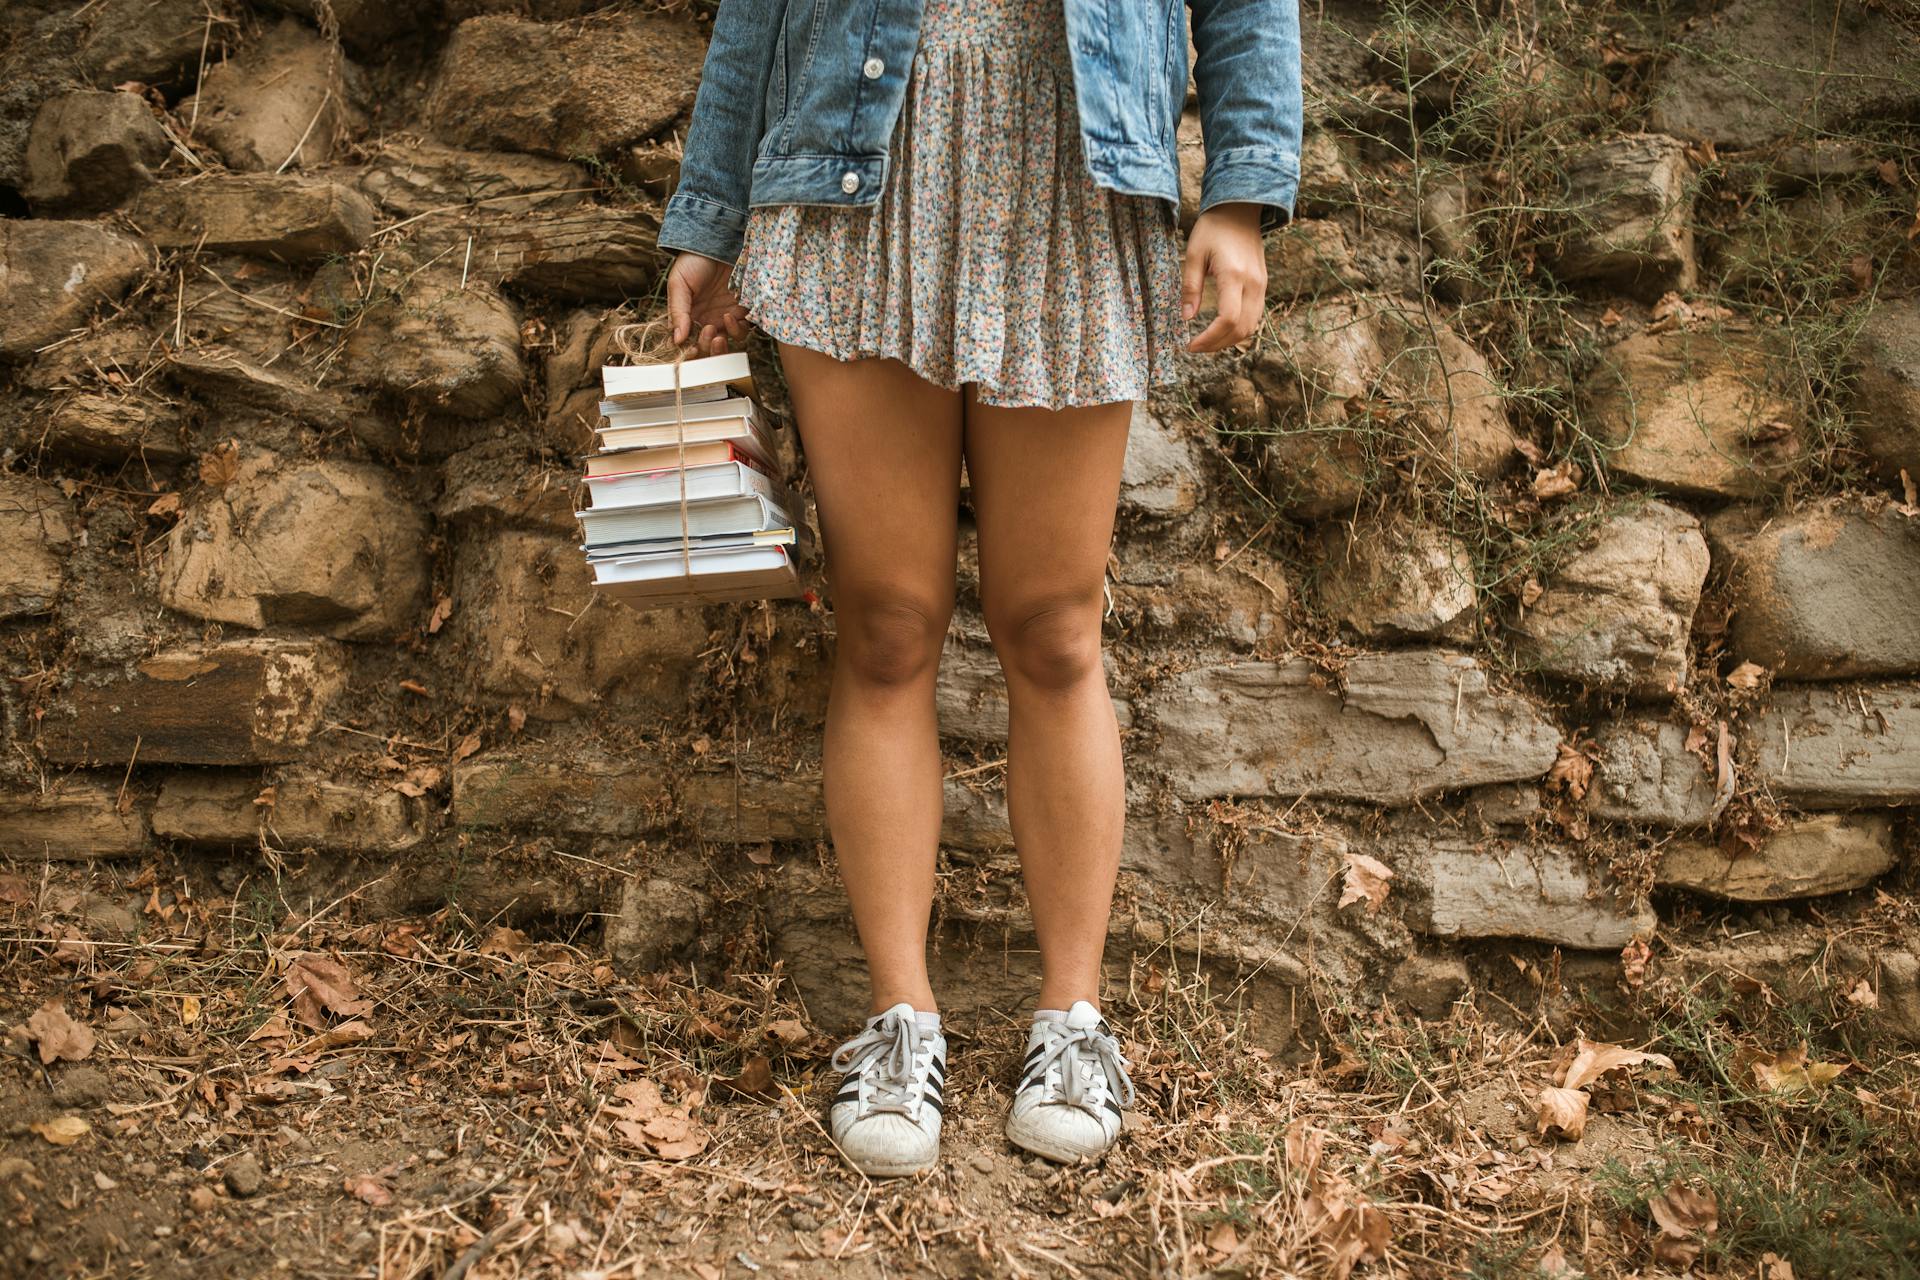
[(620, 462), (747, 432), (641, 384), (663, 486), (743, 514), (722, 404), (746, 573), (705, 542)]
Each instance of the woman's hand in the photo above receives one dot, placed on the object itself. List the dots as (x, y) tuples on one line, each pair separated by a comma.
[(1225, 244), (698, 297)]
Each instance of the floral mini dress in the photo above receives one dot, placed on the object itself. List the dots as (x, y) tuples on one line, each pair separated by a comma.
[(992, 256)]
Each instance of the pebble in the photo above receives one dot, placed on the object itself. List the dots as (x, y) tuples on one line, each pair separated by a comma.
[(803, 1221), (982, 1161), (243, 1175), (83, 1087)]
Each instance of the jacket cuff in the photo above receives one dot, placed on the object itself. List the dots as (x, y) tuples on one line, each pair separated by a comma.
[(705, 227), (1261, 175)]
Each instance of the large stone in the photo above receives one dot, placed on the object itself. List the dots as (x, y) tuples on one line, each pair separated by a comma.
[(1758, 70), (295, 809), (1615, 614), (114, 428), (1514, 889), (1825, 592), (751, 806), (53, 274), (289, 217), (1643, 773), (589, 796), (1396, 579), (233, 381), (1824, 853), (368, 27), (1408, 725), (1317, 257), (447, 345), (247, 702), (1817, 747), (37, 527), (74, 816), (536, 635), (330, 546), (279, 103), (1353, 382), (1627, 216), (592, 254), (500, 482), (564, 90), (157, 42), (90, 150), (1886, 386), (413, 178), (1162, 477), (659, 918), (1699, 412)]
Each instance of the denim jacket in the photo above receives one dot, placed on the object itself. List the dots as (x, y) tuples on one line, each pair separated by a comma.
[(798, 99)]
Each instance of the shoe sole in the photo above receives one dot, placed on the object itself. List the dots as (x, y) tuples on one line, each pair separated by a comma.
[(892, 1170), (1040, 1147)]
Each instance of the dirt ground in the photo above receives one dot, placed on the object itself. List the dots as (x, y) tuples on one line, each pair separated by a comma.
[(207, 1084)]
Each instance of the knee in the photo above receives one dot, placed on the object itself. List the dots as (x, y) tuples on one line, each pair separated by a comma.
[(1052, 643), (892, 642)]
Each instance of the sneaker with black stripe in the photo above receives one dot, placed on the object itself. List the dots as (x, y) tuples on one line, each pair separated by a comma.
[(885, 1117), (1073, 1087)]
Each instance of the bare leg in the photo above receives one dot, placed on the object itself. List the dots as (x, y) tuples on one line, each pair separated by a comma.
[(1045, 484), (883, 450)]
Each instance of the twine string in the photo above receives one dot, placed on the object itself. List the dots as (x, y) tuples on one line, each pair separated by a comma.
[(652, 342)]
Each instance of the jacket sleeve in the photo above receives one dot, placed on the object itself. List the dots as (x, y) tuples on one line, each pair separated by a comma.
[(707, 213), (1247, 71)]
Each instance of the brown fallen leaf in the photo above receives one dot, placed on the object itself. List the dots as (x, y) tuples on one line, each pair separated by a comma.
[(1563, 1111), (1591, 1060), (1775, 1267), (1366, 880), (62, 1130), (319, 985), (1556, 482), (57, 1036), (1789, 1071), (1747, 675), (370, 1187), (505, 941), (1687, 1219), (1572, 772)]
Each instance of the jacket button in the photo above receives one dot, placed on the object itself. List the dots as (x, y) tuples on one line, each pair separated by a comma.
[(873, 68), (849, 182)]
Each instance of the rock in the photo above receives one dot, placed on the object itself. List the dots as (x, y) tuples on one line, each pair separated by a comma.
[(1190, 151), (1507, 889), (37, 526), (1429, 985), (1817, 747), (1825, 853), (90, 150), (157, 42), (446, 346), (74, 817), (1240, 602), (413, 178), (1615, 613), (1643, 773), (1317, 257), (244, 702), (1886, 387), (1162, 477), (1897, 991), (114, 428), (658, 918), (1326, 183), (1338, 365), (587, 255), (368, 27), (278, 103), (591, 796), (295, 809), (243, 1176), (753, 807), (498, 482), (1825, 592), (533, 633), (1396, 580), (288, 217), (83, 1086), (1628, 216), (975, 816), (333, 547), (564, 91), (1697, 412), (1447, 222), (1756, 71), (1508, 804), (234, 381), (970, 693), (1409, 724), (53, 274), (107, 918)]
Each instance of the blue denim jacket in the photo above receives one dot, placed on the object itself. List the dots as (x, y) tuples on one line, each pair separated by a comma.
[(798, 100)]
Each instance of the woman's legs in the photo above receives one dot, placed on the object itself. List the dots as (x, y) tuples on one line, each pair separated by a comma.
[(1045, 484), (883, 451)]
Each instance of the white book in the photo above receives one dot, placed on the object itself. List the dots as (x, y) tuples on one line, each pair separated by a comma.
[(746, 432), (647, 488), (630, 382), (654, 581), (720, 404), (657, 523), (602, 553)]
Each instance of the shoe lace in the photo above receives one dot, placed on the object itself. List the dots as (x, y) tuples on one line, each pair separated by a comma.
[(1080, 1051), (888, 1057)]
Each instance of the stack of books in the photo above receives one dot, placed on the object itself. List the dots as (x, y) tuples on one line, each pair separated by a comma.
[(683, 505)]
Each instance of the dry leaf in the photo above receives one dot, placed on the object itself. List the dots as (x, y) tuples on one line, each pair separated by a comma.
[(1590, 1061), (370, 1187), (1789, 1072), (1687, 1219), (1747, 675), (58, 1036), (1572, 772), (218, 467), (1366, 880), (64, 1130), (788, 1030), (1863, 995), (167, 504), (1564, 1110), (189, 1010), (505, 941), (1556, 482), (442, 610), (468, 745), (319, 983), (1775, 1267)]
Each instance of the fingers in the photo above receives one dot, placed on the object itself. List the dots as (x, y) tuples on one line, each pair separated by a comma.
[(1242, 301), (1193, 277), (679, 303)]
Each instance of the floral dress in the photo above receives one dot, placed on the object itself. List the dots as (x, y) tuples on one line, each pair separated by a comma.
[(992, 256)]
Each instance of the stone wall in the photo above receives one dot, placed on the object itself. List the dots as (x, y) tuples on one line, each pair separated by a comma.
[(1541, 579)]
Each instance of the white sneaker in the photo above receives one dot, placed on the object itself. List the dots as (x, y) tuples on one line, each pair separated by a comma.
[(1073, 1086), (886, 1116)]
